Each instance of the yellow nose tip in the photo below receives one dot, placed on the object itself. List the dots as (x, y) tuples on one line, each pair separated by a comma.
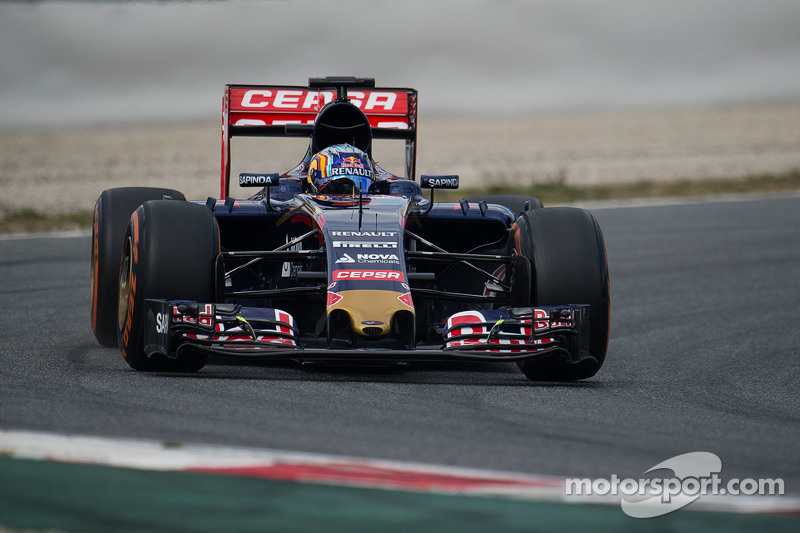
[(371, 312)]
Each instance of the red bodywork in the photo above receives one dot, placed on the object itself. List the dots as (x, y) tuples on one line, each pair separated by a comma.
[(266, 110)]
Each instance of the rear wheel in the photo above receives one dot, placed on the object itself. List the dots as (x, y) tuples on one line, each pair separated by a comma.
[(515, 203), (168, 253), (111, 215), (567, 253)]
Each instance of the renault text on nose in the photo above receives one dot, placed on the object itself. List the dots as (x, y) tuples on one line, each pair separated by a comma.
[(363, 233)]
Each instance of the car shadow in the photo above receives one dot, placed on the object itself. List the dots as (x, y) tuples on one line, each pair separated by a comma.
[(501, 374)]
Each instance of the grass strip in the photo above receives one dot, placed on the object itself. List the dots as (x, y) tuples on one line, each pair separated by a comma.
[(560, 192), (32, 221)]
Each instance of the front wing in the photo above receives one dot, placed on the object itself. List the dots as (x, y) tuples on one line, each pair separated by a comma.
[(508, 334)]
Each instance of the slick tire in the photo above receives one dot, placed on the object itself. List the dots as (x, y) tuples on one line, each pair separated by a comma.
[(567, 253), (515, 203), (168, 253), (112, 211)]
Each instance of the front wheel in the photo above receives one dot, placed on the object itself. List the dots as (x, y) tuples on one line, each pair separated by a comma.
[(112, 211), (168, 253), (567, 254)]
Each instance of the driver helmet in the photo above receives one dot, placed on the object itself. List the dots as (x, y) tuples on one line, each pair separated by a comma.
[(340, 169)]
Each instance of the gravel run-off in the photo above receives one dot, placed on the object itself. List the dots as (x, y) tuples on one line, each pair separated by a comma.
[(65, 169)]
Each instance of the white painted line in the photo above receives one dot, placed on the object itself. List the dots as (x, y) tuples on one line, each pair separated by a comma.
[(154, 455), (333, 470)]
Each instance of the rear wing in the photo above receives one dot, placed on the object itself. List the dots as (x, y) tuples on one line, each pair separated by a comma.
[(284, 110)]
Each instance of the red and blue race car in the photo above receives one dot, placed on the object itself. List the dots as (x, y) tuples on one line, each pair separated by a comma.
[(339, 260)]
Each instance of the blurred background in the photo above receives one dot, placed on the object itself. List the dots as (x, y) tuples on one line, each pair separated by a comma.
[(78, 62), (511, 92)]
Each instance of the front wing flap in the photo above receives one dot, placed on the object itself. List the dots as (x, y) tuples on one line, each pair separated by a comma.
[(509, 334), (224, 328)]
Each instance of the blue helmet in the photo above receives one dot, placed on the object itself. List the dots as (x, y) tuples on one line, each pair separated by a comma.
[(340, 169)]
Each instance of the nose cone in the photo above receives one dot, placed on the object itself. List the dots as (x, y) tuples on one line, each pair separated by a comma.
[(371, 311)]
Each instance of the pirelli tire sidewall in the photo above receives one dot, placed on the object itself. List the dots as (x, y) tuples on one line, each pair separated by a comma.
[(569, 265), (169, 252), (112, 212)]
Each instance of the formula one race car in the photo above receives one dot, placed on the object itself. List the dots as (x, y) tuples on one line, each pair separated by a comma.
[(340, 261)]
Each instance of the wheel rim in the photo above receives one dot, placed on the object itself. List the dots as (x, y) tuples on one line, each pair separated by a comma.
[(126, 271)]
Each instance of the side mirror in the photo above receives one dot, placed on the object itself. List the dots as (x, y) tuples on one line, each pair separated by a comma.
[(258, 180), (437, 181)]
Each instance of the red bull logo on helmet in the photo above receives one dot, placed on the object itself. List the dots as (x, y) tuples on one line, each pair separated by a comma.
[(352, 162)]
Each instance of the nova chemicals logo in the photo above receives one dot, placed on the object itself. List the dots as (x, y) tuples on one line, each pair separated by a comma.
[(373, 258), (378, 258)]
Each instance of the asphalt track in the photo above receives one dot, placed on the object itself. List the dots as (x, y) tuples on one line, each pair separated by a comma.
[(703, 357)]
